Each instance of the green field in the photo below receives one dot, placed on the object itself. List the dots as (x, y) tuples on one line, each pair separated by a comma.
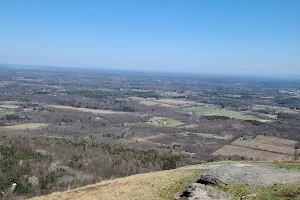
[(167, 122), (286, 165), (159, 121), (212, 110), (189, 126), (26, 126)]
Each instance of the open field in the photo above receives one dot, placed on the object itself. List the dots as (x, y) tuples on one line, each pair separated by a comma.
[(150, 102), (147, 139), (210, 135), (261, 147), (177, 94), (177, 102), (231, 150), (267, 143), (164, 102), (212, 110), (158, 121), (187, 126), (274, 141), (167, 122), (94, 111), (264, 147), (151, 186), (26, 126)]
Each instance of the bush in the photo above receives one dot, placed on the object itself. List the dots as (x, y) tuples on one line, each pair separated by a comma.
[(23, 188), (297, 145), (216, 117), (254, 122), (169, 161), (11, 171), (12, 117)]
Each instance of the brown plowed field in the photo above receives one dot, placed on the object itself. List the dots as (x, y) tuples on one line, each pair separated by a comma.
[(261, 148), (264, 147), (231, 150), (274, 141)]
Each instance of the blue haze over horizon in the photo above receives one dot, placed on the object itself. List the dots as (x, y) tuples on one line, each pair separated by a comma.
[(197, 36)]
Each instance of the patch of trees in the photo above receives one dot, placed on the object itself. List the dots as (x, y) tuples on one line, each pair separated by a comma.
[(74, 163), (216, 117), (15, 167), (255, 122), (42, 92), (98, 94), (287, 101), (297, 145), (266, 111), (144, 94), (288, 116), (107, 104), (12, 117), (103, 94)]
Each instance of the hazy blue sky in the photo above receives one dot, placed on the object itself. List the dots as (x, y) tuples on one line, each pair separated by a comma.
[(192, 36)]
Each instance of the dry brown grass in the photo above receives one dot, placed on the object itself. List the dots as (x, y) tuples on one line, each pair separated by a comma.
[(261, 147), (94, 111), (177, 102), (150, 186), (26, 126), (210, 135), (274, 141), (264, 147), (231, 150), (164, 102)]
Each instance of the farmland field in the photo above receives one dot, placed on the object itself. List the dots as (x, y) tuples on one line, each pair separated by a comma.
[(159, 121), (94, 111), (162, 121), (153, 103), (212, 110), (26, 126), (164, 102), (178, 102), (231, 150), (210, 135), (276, 148), (274, 141), (264, 147), (190, 126)]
